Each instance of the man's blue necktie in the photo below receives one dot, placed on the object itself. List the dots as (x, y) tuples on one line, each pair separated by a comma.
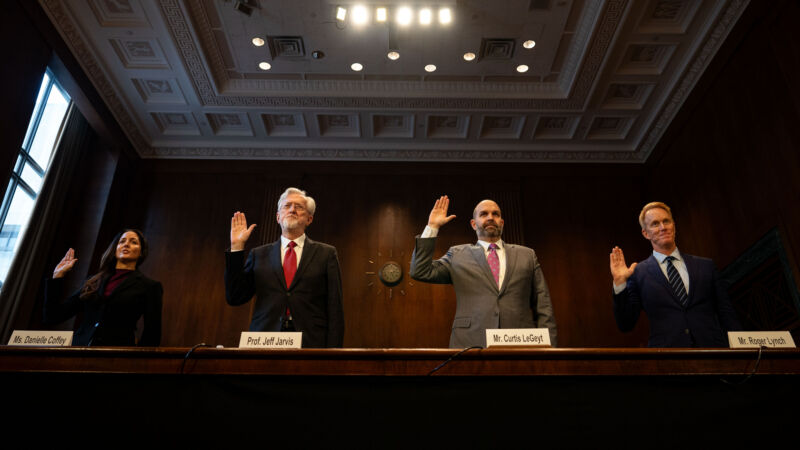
[(676, 282)]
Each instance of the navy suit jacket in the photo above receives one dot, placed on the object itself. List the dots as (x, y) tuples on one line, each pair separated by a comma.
[(314, 298), (705, 320)]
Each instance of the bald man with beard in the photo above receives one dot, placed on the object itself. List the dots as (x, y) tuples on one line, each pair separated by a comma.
[(498, 285)]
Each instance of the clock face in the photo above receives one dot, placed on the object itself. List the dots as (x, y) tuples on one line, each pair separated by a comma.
[(391, 273)]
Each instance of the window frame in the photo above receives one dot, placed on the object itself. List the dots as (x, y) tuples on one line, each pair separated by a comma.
[(24, 158)]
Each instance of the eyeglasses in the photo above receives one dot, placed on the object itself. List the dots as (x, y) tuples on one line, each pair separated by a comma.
[(297, 207)]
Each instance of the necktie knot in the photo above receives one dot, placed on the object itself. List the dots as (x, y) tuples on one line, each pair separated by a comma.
[(493, 246), (292, 244)]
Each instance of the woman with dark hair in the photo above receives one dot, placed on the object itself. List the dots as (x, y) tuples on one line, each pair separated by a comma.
[(112, 300)]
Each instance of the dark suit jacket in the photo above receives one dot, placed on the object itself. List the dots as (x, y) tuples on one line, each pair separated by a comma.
[(314, 298), (705, 320), (523, 301), (110, 321)]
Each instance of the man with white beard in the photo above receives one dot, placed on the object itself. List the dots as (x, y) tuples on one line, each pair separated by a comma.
[(296, 281)]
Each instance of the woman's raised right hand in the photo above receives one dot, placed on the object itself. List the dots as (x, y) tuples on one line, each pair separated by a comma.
[(65, 265)]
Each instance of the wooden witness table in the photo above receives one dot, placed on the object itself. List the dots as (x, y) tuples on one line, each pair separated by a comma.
[(383, 398), (403, 362)]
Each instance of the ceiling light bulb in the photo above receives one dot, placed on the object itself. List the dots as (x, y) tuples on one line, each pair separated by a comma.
[(258, 42), (469, 56), (360, 15), (528, 44), (393, 55), (341, 14), (404, 15), (263, 65), (445, 16), (522, 68), (430, 68), (425, 16), (356, 67), (380, 14)]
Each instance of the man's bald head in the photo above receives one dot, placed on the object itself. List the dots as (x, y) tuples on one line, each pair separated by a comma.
[(486, 221), (484, 204)]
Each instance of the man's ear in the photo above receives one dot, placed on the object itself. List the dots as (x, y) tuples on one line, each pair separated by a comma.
[(472, 222)]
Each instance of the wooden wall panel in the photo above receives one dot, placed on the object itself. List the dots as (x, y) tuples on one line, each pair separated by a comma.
[(187, 221), (731, 170), (573, 220), (371, 213)]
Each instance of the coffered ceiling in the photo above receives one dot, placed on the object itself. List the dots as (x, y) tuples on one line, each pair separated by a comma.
[(603, 81)]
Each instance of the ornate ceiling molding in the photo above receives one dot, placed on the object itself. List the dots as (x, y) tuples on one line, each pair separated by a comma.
[(190, 105)]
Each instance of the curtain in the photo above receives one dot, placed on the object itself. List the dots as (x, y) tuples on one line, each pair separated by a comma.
[(25, 275)]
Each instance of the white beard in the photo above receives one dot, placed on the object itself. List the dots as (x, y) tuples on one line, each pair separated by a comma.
[(289, 223)]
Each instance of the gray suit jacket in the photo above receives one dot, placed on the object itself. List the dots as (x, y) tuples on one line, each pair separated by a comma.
[(522, 302)]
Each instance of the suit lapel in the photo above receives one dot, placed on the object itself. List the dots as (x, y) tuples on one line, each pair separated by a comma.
[(691, 269), (309, 251), (511, 264), (480, 257), (654, 269), (275, 263)]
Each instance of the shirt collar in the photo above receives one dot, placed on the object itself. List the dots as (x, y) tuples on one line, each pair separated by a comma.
[(661, 257), (485, 245), (299, 241)]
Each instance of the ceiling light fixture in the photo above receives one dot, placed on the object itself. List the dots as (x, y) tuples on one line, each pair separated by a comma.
[(356, 67), (430, 68), (522, 68), (469, 56), (528, 44), (341, 14), (380, 14), (393, 55), (404, 16), (425, 16), (360, 15), (445, 16), (263, 65), (258, 42)]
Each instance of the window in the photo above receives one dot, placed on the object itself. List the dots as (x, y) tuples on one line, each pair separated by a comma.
[(41, 139)]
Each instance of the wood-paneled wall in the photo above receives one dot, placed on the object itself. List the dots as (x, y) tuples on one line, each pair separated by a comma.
[(731, 166), (371, 213)]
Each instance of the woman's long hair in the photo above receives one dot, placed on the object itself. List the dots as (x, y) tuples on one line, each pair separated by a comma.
[(108, 263)]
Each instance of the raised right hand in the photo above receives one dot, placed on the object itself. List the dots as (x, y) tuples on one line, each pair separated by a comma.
[(240, 232), (438, 216), (619, 270), (65, 265)]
